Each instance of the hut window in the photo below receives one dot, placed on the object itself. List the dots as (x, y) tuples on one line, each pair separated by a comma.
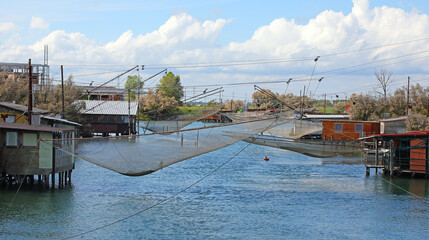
[(10, 119), (29, 139), (359, 127), (338, 127), (11, 139)]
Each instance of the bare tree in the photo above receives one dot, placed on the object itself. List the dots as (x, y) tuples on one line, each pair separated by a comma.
[(384, 79)]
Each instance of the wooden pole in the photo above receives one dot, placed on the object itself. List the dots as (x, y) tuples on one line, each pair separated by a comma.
[(30, 91), (62, 90), (324, 105), (53, 166), (408, 96)]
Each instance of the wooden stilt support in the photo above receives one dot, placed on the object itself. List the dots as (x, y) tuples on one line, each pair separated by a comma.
[(376, 154), (391, 158), (46, 181), (70, 172)]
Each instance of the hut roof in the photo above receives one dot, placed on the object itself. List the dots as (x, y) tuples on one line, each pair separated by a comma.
[(16, 126), (109, 107), (22, 108)]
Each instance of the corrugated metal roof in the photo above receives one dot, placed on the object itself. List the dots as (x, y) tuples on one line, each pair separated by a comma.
[(17, 126), (109, 107), (327, 116), (22, 108), (398, 135), (61, 120), (394, 119)]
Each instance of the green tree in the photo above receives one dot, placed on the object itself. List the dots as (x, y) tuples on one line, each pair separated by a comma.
[(362, 107), (264, 101), (419, 99), (171, 87), (157, 106), (134, 83), (14, 90), (234, 106)]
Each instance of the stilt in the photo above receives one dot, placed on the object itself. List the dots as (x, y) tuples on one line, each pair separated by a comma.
[(60, 179), (368, 171), (45, 181), (391, 157), (70, 173), (65, 178)]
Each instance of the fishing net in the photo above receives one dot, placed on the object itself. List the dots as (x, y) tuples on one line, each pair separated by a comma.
[(137, 155), (296, 128), (288, 127), (177, 122)]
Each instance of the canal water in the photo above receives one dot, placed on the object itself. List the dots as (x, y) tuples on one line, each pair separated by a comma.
[(291, 196)]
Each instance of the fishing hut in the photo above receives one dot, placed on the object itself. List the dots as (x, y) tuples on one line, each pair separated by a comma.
[(16, 113), (393, 125), (400, 153), (104, 93), (105, 117), (218, 117), (24, 154), (348, 130)]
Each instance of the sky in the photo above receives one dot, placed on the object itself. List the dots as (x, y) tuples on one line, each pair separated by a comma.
[(231, 43)]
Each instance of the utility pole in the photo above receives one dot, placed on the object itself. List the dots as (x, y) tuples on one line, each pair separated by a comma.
[(408, 96), (324, 105), (62, 90), (30, 92)]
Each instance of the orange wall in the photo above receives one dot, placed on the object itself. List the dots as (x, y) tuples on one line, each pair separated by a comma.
[(348, 132)]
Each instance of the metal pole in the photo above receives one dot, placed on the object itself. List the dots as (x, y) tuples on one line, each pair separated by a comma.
[(129, 112), (391, 158), (62, 90), (138, 114), (30, 92)]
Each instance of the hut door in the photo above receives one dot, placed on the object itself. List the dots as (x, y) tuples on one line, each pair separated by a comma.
[(418, 155)]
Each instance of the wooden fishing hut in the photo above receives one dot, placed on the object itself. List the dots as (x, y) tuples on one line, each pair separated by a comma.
[(348, 130), (218, 117), (23, 154), (16, 113), (105, 117), (402, 153)]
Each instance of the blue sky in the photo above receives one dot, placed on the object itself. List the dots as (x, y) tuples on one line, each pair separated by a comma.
[(114, 35)]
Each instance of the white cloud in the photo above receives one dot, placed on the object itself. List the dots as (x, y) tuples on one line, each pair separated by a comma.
[(38, 23), (7, 27), (184, 39)]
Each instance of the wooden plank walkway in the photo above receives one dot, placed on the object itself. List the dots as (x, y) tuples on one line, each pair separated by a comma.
[(369, 166)]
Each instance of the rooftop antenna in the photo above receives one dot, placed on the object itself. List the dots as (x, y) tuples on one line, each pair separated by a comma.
[(45, 75)]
